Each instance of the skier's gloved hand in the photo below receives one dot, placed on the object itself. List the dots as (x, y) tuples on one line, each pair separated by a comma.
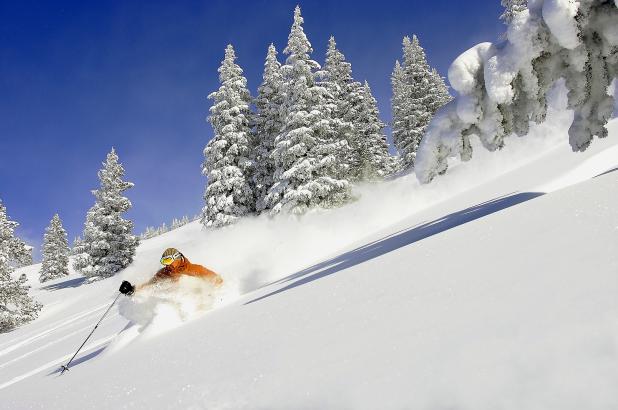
[(126, 288)]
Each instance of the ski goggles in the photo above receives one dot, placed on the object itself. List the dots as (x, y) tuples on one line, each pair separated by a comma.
[(167, 260)]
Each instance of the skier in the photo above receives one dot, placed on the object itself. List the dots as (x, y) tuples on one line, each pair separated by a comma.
[(175, 265)]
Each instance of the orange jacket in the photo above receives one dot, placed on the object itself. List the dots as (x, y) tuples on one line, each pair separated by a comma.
[(184, 267)]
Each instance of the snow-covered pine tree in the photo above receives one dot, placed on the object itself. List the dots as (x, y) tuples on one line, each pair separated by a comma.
[(399, 105), (150, 232), (55, 251), (307, 173), (108, 245), (502, 88), (229, 194), (268, 124), (16, 306), (346, 97), (176, 223), (374, 160), (426, 92), (511, 7), (439, 89), (75, 246)]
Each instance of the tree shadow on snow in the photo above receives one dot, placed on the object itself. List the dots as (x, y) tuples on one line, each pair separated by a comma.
[(398, 240), (71, 283), (607, 172)]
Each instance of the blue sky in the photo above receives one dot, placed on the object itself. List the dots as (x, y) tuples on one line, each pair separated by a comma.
[(77, 78)]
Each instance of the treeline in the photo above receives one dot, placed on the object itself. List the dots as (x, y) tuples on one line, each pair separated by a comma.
[(151, 231), (311, 132)]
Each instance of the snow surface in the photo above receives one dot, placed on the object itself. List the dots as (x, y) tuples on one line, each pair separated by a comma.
[(492, 288)]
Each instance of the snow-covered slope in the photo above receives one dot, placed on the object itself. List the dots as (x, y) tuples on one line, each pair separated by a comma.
[(495, 287)]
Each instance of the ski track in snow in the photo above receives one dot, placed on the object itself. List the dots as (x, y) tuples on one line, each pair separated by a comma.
[(58, 361), (56, 326), (82, 330)]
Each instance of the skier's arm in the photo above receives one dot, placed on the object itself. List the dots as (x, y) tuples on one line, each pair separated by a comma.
[(156, 278), (200, 271)]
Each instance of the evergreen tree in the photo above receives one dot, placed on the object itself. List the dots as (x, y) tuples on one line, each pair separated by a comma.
[(346, 96), (374, 160), (176, 223), (268, 124), (55, 251), (229, 194), (439, 90), (419, 98), (399, 102), (75, 247), (108, 245), (307, 173), (512, 7), (16, 306), (150, 232)]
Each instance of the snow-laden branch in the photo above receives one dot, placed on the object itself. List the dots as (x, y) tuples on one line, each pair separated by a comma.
[(502, 87)]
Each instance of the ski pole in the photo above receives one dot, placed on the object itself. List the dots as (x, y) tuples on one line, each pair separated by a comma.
[(66, 366)]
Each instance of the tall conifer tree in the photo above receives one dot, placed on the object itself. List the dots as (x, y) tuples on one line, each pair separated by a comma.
[(229, 194), (346, 98), (401, 90), (108, 243), (418, 92), (55, 251), (307, 172), (268, 124), (373, 159)]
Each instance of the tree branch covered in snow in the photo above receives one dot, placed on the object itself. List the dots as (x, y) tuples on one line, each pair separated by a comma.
[(512, 7), (502, 87)]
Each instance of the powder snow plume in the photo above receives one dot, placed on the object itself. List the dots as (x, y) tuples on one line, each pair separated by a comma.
[(168, 304)]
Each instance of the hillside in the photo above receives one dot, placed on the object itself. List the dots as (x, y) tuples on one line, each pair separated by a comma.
[(494, 287)]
